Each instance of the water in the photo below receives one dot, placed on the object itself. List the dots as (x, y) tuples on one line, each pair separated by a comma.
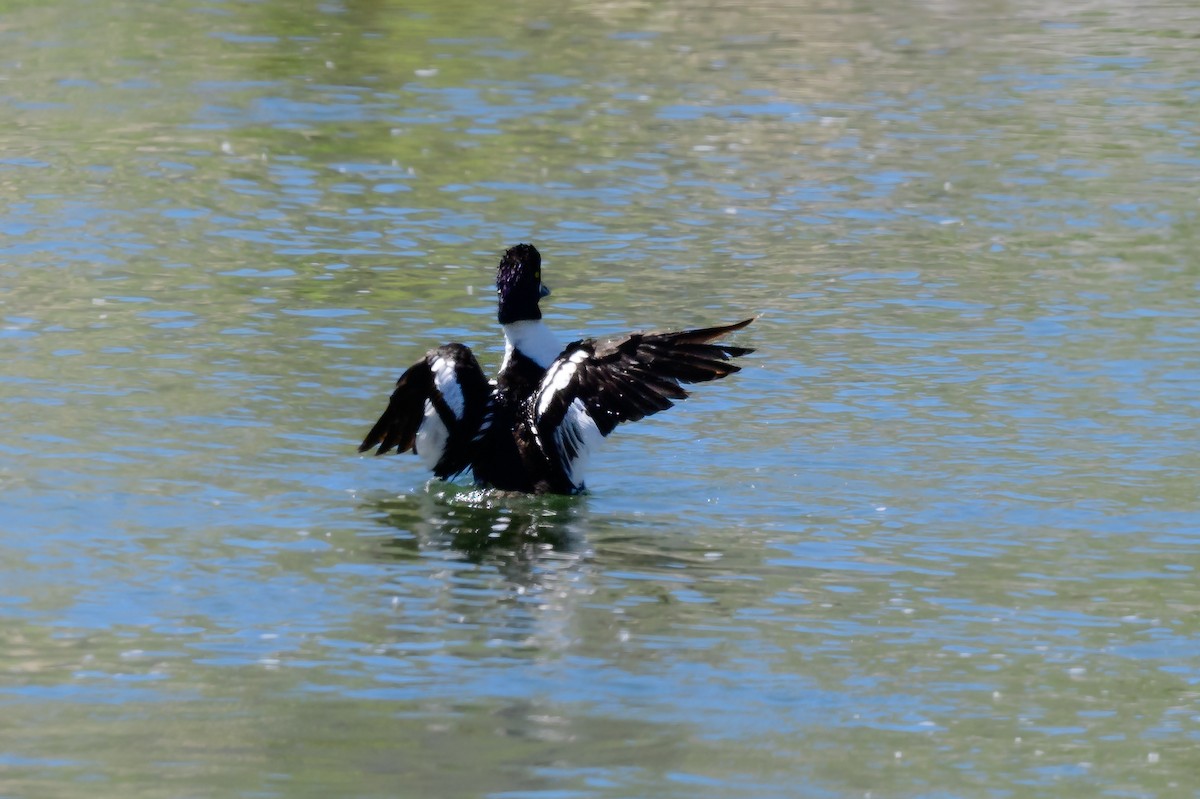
[(938, 539)]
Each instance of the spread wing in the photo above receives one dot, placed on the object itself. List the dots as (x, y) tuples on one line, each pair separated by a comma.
[(595, 385), (434, 411)]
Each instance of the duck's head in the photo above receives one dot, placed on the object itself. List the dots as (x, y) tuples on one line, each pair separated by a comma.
[(519, 284)]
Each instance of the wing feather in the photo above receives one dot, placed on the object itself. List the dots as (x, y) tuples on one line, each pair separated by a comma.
[(437, 405), (595, 385)]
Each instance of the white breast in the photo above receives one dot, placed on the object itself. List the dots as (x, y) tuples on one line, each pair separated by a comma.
[(532, 338)]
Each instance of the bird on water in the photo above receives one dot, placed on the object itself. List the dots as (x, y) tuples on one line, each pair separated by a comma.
[(534, 427)]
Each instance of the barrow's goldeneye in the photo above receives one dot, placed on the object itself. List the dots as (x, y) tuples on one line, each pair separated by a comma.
[(533, 428)]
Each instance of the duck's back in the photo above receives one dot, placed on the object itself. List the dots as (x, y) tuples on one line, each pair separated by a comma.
[(506, 453)]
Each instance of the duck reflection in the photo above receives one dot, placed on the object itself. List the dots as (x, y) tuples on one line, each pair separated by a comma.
[(492, 572), (485, 526)]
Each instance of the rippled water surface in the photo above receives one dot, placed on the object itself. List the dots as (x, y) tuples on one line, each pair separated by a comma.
[(937, 539)]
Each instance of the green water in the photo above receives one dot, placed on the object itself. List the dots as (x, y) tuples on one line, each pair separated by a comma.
[(937, 539)]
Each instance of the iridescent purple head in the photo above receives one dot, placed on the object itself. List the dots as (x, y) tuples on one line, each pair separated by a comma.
[(519, 284)]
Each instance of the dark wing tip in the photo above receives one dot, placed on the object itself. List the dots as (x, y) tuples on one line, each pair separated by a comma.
[(736, 352), (705, 334), (379, 436), (398, 423), (373, 437)]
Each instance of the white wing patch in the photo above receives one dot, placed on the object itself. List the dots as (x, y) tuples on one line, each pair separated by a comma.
[(432, 436), (577, 437), (445, 380), (558, 378)]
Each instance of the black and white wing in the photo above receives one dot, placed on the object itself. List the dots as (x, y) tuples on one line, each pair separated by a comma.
[(595, 385), (434, 411)]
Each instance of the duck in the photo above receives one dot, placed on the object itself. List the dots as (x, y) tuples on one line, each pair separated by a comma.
[(534, 428)]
